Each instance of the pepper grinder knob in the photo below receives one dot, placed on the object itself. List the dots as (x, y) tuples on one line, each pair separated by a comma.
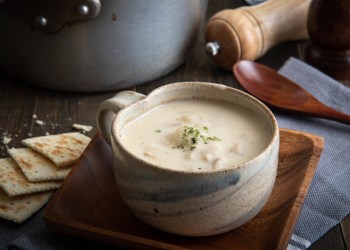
[(328, 26), (248, 32)]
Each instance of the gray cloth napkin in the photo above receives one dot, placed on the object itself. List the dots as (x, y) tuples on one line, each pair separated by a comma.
[(328, 198), (327, 201)]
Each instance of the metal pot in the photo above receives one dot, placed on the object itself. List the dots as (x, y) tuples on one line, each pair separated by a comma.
[(96, 45)]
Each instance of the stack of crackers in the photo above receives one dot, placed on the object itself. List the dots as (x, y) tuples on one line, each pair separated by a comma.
[(30, 175)]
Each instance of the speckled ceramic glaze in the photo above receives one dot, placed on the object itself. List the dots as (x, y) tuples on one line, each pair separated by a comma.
[(182, 202)]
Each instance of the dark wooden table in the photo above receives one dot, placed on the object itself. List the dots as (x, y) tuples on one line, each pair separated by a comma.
[(19, 101)]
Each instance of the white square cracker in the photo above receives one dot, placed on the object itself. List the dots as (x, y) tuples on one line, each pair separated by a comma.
[(63, 149), (13, 182), (35, 166), (19, 208)]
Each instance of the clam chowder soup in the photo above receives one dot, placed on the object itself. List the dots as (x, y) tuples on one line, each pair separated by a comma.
[(196, 135)]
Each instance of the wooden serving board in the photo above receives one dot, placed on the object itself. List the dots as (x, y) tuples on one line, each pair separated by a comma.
[(88, 205)]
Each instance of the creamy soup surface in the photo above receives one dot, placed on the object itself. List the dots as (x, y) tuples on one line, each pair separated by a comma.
[(196, 135)]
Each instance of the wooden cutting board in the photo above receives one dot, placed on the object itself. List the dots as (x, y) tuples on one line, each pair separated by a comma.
[(88, 204)]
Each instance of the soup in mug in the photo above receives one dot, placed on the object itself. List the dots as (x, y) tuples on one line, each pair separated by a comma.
[(196, 135)]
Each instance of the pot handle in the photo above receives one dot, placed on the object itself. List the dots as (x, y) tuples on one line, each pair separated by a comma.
[(108, 109), (52, 16)]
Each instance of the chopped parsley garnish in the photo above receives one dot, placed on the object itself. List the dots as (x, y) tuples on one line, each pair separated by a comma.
[(191, 136), (157, 130)]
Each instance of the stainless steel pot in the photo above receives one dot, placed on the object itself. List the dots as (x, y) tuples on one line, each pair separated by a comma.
[(96, 45)]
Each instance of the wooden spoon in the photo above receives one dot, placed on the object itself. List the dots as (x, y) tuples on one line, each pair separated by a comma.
[(281, 93)]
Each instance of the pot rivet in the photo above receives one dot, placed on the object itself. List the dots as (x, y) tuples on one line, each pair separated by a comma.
[(83, 9), (42, 21)]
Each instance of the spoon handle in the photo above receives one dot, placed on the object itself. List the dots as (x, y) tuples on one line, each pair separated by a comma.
[(331, 114)]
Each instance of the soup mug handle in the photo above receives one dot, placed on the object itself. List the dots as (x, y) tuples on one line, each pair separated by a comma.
[(108, 109)]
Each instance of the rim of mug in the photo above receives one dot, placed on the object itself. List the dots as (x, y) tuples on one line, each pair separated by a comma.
[(269, 148)]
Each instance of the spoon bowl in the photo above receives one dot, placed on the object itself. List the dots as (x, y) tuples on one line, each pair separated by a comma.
[(279, 92)]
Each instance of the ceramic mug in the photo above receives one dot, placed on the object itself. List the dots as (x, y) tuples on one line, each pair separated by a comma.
[(186, 202)]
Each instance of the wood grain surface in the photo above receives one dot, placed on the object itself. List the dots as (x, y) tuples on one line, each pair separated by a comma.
[(59, 110)]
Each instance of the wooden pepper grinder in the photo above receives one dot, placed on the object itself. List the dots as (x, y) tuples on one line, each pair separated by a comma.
[(248, 32), (328, 24)]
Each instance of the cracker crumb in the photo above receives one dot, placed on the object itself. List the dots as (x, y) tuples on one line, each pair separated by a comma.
[(83, 128), (39, 122), (6, 140)]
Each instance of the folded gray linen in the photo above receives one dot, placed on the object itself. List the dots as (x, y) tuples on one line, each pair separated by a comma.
[(328, 198)]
